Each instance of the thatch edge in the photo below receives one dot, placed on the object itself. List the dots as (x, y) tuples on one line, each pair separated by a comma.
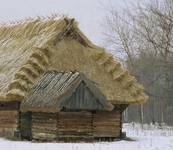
[(106, 59)]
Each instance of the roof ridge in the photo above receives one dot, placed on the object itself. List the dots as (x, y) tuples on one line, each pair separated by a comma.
[(30, 27), (32, 19)]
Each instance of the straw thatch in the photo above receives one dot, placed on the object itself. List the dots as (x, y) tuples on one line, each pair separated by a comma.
[(64, 89), (29, 48)]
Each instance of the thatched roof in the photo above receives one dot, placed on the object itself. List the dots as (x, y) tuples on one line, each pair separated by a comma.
[(58, 89), (30, 47)]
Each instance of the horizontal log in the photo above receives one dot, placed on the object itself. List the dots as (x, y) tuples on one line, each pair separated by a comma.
[(77, 116), (106, 135), (74, 133), (75, 119), (8, 114), (8, 122), (108, 130), (7, 118), (75, 113), (44, 128), (76, 136), (44, 114), (44, 118), (106, 123), (44, 131), (43, 136), (8, 129), (8, 126), (107, 119), (45, 122), (107, 113), (44, 125), (74, 129), (74, 123)]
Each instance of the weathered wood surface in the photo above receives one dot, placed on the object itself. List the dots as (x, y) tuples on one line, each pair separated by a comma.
[(8, 122), (44, 136), (44, 126), (72, 124), (84, 99), (84, 124), (65, 90), (107, 124), (8, 119)]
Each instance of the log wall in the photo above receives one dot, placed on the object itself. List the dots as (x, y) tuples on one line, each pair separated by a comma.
[(107, 124), (8, 118), (44, 126), (78, 124), (75, 124)]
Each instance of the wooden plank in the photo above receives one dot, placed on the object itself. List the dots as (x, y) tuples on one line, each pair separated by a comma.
[(44, 121), (8, 114), (8, 125), (44, 126), (8, 122), (44, 136), (106, 124), (44, 131), (8, 119), (75, 124)]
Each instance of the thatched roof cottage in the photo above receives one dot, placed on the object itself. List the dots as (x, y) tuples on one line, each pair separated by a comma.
[(31, 47)]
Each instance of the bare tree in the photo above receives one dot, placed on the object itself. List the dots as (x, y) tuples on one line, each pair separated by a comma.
[(142, 37)]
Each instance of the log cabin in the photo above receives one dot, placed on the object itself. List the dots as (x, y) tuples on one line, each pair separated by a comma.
[(67, 105), (31, 47)]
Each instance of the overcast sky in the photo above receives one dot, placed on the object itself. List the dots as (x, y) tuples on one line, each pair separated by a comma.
[(89, 13)]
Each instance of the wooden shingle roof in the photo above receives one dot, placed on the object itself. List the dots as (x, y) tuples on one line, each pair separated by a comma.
[(52, 92)]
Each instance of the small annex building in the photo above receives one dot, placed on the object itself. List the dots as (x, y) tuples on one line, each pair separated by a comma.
[(67, 105), (31, 47)]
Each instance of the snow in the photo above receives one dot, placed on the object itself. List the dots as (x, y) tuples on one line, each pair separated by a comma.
[(149, 138)]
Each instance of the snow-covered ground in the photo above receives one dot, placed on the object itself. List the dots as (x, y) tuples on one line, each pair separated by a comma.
[(150, 138)]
